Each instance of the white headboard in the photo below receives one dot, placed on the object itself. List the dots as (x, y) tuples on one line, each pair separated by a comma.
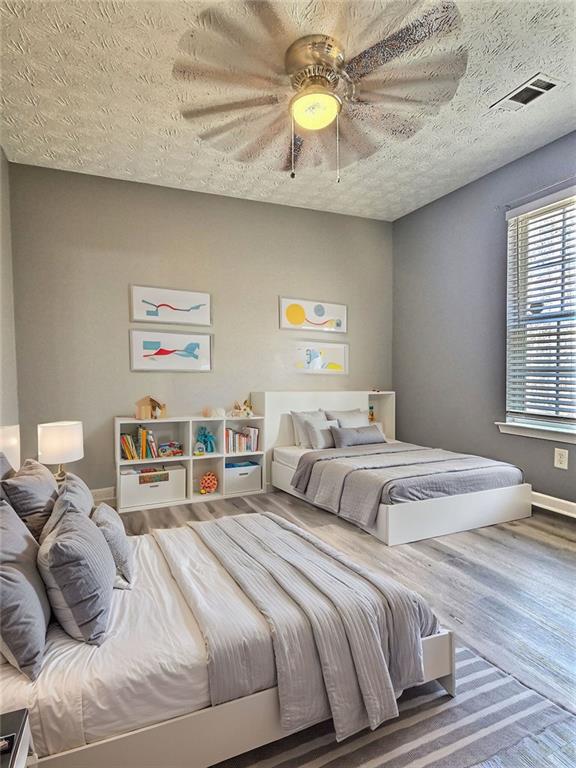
[(276, 407)]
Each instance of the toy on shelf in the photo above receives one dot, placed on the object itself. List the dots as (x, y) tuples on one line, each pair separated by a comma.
[(213, 413), (208, 483), (171, 448), (207, 439), (241, 411), (149, 408), (199, 449)]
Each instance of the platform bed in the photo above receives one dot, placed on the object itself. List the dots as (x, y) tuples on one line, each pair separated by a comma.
[(206, 737), (399, 523), (417, 520)]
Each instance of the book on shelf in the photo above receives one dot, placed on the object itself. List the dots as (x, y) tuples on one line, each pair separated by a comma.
[(128, 446), (143, 445), (244, 440)]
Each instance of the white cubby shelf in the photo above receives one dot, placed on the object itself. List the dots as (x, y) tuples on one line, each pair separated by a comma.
[(183, 429)]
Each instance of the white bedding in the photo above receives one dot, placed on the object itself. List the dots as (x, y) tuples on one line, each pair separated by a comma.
[(289, 455), (152, 667)]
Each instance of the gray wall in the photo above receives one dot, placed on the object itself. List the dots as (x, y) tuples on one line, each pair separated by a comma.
[(80, 241), (450, 319), (8, 378)]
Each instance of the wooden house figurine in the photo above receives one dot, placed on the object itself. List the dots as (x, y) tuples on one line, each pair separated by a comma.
[(149, 408)]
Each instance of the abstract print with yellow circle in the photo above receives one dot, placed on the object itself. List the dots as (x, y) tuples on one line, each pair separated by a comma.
[(310, 315)]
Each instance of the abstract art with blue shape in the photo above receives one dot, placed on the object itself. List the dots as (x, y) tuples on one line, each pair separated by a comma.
[(169, 305), (162, 351)]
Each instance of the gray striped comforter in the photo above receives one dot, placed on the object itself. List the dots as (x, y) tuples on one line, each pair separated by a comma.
[(353, 482), (346, 639)]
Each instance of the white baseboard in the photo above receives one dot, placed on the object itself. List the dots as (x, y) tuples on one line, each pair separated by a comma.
[(104, 494), (560, 506)]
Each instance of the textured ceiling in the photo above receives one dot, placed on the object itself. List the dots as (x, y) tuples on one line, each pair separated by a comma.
[(91, 87)]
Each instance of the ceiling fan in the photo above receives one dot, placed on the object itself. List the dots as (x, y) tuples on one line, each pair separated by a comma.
[(265, 80)]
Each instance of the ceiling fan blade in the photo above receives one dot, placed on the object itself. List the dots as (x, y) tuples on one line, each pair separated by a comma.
[(298, 146), (399, 104), (381, 123), (227, 36), (385, 19), (216, 109), (440, 19), (255, 147), (191, 71), (267, 16)]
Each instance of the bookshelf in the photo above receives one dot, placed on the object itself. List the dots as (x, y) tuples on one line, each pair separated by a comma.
[(132, 493)]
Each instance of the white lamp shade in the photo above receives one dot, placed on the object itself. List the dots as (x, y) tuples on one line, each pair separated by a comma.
[(10, 444), (60, 442)]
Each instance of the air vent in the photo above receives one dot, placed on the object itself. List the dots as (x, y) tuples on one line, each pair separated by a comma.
[(527, 92)]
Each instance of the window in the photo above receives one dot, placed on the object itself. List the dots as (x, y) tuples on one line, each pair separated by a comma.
[(541, 317)]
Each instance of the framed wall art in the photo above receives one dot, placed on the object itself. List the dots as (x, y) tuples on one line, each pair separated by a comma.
[(317, 357), (160, 351), (309, 315), (168, 305)]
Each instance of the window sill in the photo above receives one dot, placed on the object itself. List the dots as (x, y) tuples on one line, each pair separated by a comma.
[(541, 433)]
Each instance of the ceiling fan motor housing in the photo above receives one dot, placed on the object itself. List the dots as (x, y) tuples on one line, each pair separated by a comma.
[(315, 60)]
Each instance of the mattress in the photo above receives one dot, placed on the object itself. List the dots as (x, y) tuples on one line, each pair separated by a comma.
[(151, 667), (289, 455)]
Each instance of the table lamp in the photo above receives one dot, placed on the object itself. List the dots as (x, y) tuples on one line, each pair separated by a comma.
[(10, 444), (60, 442)]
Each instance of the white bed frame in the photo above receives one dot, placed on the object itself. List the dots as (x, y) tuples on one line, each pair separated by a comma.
[(395, 523), (206, 737)]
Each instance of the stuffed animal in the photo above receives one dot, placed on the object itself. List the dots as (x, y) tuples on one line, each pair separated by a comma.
[(207, 439), (241, 410), (208, 483)]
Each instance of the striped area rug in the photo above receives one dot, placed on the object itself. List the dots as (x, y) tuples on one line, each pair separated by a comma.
[(491, 713)]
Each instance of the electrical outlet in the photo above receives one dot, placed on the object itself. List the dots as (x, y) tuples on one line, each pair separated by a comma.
[(561, 458)]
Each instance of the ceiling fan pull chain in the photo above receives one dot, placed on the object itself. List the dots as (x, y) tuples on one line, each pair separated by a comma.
[(337, 149), (293, 174)]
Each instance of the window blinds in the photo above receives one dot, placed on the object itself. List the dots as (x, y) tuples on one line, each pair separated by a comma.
[(541, 317)]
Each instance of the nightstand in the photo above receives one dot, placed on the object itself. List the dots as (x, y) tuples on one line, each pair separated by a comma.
[(16, 740)]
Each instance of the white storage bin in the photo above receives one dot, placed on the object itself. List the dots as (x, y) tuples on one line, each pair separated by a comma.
[(243, 479), (163, 485)]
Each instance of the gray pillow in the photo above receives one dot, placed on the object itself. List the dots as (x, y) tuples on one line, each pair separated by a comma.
[(78, 571), (73, 496), (6, 471), (31, 492), (345, 437), (319, 433), (354, 418), (112, 527), (298, 419), (24, 608)]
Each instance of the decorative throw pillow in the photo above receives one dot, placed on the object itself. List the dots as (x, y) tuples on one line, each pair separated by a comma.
[(354, 418), (73, 496), (24, 608), (319, 433), (31, 492), (112, 527), (6, 471), (78, 571), (345, 437), (298, 419)]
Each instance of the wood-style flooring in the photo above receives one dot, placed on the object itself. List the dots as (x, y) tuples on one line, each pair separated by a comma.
[(508, 591)]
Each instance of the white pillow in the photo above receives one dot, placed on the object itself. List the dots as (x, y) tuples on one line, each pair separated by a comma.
[(319, 433), (354, 418), (298, 419)]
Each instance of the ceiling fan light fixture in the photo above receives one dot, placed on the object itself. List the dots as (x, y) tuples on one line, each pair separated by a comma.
[(315, 108)]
